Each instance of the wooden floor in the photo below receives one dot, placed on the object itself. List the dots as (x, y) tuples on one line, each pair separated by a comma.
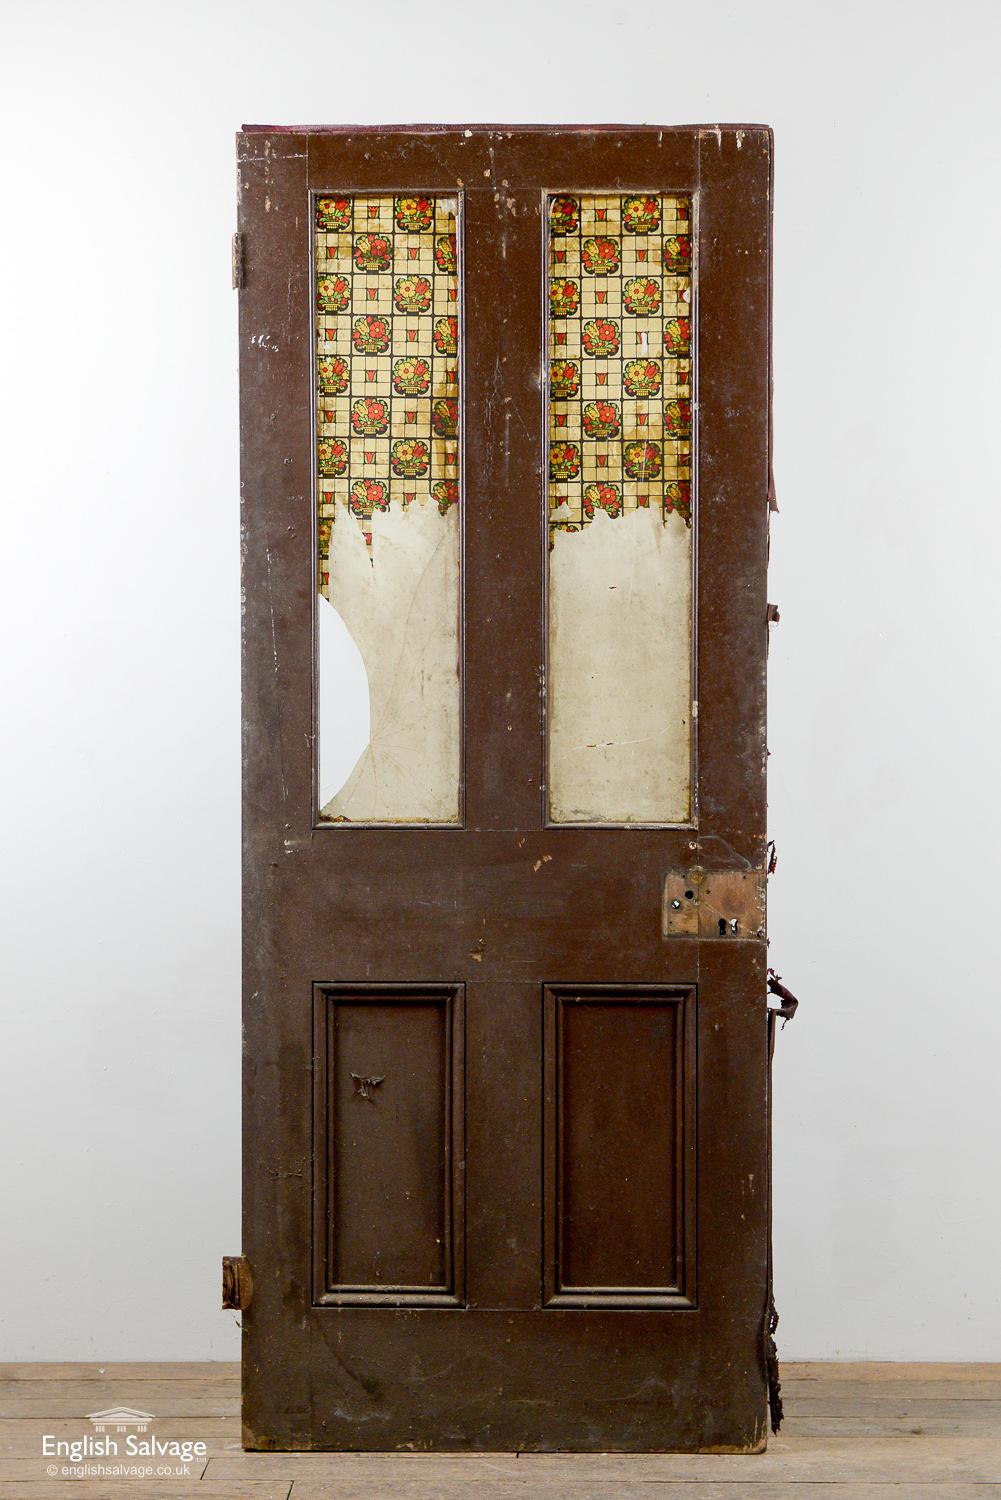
[(852, 1432)]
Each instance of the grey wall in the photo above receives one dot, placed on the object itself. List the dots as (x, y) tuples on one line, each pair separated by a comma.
[(121, 1038)]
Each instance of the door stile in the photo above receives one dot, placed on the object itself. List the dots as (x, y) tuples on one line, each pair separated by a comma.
[(277, 528)]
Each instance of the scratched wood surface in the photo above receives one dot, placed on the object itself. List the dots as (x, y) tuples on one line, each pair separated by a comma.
[(852, 1432)]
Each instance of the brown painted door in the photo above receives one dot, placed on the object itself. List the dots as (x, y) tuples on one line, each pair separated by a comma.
[(505, 458)]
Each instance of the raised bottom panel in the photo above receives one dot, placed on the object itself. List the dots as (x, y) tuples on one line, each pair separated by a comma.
[(620, 1144), (388, 1127)]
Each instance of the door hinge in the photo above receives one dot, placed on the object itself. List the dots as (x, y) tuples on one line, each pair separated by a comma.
[(238, 268), (789, 1005), (237, 1282)]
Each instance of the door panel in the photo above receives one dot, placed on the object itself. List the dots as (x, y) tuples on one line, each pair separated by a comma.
[(574, 1089), (387, 1156), (620, 1127)]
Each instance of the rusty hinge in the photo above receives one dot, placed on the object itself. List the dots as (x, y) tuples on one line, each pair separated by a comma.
[(789, 1006), (237, 1282), (775, 1411), (238, 267)]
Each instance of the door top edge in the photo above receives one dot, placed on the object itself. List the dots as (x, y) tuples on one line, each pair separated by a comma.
[(458, 129)]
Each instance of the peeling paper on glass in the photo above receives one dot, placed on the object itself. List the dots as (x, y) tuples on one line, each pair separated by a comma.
[(620, 375), (388, 563)]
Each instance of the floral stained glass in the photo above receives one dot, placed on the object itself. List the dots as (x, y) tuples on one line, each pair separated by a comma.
[(387, 331), (620, 377), (387, 463), (620, 365)]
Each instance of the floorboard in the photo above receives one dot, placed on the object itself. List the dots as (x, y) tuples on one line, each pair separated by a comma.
[(852, 1432)]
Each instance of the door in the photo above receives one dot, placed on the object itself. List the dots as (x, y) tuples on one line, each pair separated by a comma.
[(505, 464)]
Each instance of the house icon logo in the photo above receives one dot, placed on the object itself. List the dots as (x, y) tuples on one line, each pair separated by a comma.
[(121, 1418)]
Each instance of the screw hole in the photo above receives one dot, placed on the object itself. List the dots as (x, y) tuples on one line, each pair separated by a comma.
[(689, 895), (722, 926)]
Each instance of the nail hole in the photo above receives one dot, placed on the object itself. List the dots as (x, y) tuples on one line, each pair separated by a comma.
[(689, 895), (722, 926)]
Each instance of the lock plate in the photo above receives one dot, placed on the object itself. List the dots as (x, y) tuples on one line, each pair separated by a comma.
[(722, 904)]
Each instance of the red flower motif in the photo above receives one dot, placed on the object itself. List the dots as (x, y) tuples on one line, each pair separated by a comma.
[(333, 213), (678, 419), (605, 496), (367, 495), (600, 336), (446, 492), (642, 377), (412, 294), (601, 419), (411, 377), (678, 336), (370, 334), (564, 215), (641, 460), (413, 213), (564, 298), (333, 375), (445, 416), (641, 295), (372, 252), (600, 256), (332, 457), (332, 294), (369, 416), (678, 253), (446, 335), (564, 461), (641, 215), (445, 252), (678, 498)]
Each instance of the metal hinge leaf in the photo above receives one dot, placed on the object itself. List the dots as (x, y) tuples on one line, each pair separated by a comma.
[(237, 1282), (789, 1003)]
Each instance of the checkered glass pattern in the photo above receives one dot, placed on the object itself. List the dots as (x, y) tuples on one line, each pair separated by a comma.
[(387, 340), (620, 356)]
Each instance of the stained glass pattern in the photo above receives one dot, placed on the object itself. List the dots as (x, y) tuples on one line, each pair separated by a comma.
[(620, 356), (387, 331)]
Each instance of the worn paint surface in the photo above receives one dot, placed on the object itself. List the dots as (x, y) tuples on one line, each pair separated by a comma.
[(620, 671), (398, 598)]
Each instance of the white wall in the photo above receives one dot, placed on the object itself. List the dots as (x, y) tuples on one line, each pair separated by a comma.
[(120, 1044)]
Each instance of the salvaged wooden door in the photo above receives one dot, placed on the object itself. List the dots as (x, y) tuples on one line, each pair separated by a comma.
[(505, 473)]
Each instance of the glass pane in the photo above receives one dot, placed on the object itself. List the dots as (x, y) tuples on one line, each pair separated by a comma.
[(387, 309), (620, 508)]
